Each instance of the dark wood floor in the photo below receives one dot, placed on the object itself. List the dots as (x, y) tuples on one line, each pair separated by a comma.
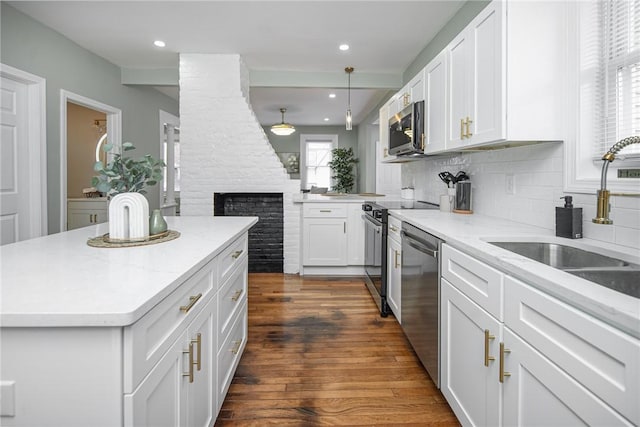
[(320, 354)]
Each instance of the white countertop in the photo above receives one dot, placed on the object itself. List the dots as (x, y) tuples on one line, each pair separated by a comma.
[(59, 280), (470, 234), (342, 198)]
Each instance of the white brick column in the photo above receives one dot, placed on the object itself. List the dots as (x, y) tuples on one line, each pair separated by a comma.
[(224, 148)]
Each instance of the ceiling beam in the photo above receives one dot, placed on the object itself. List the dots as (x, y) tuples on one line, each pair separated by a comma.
[(267, 78)]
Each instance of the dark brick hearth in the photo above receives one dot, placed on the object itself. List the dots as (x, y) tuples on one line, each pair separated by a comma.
[(266, 237)]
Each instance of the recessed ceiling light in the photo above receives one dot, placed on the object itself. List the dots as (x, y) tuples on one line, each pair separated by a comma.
[(326, 119), (332, 95), (159, 43), (344, 46)]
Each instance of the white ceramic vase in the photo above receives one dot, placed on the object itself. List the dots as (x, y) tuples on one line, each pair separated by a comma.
[(128, 217)]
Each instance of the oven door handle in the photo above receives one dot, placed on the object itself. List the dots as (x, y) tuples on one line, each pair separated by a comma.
[(376, 224), (419, 245)]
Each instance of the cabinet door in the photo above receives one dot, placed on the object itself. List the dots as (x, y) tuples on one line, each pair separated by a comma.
[(415, 87), (538, 393), (202, 397), (459, 89), (394, 277), (83, 218), (435, 87), (355, 233), (161, 398), (324, 241), (486, 59), (385, 113), (471, 388)]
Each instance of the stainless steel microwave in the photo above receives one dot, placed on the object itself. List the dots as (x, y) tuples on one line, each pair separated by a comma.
[(406, 131)]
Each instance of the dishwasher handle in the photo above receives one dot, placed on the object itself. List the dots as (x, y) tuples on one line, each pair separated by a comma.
[(419, 245)]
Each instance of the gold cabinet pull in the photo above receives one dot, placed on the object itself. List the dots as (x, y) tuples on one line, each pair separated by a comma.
[(237, 254), (325, 210), (344, 227), (462, 129), (393, 228), (198, 341), (502, 372), (395, 258), (192, 301), (422, 142), (487, 337), (468, 133), (236, 346), (190, 373), (386, 152), (236, 296)]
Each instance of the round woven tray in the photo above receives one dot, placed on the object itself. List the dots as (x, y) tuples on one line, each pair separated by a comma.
[(105, 242)]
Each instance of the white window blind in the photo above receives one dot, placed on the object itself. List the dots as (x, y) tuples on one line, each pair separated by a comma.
[(617, 78)]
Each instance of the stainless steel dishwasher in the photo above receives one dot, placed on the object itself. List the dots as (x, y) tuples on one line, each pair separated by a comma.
[(420, 296)]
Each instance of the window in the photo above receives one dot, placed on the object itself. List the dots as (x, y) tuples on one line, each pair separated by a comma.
[(315, 158), (618, 75), (176, 160)]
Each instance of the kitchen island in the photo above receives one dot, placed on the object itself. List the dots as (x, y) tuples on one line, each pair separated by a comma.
[(123, 336)]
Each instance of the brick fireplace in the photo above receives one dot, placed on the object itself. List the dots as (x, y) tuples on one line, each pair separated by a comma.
[(224, 148), (266, 237)]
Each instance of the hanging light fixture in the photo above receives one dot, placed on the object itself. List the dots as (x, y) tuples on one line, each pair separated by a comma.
[(283, 129), (349, 119)]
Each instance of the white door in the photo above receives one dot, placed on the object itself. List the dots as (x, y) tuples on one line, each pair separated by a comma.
[(14, 152)]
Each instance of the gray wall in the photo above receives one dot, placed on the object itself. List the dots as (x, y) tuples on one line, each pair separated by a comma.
[(452, 28), (291, 143), (30, 46)]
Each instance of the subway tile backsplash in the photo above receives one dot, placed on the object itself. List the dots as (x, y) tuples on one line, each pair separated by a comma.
[(537, 175)]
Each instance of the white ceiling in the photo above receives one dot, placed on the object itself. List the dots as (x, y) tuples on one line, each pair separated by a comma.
[(302, 36)]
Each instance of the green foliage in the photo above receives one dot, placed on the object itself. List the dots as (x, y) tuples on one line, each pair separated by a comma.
[(342, 169), (126, 175)]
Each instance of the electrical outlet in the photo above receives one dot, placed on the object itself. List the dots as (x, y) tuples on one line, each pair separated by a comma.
[(510, 184)]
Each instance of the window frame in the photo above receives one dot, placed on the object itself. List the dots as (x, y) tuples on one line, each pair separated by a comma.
[(309, 138)]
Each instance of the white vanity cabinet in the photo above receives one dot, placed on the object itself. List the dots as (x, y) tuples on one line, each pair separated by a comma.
[(495, 66), (537, 360), (84, 212), (394, 267)]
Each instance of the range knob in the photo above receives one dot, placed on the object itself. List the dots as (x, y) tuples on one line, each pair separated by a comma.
[(367, 207)]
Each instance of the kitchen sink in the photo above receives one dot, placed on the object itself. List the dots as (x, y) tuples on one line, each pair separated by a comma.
[(610, 272), (626, 281), (560, 256)]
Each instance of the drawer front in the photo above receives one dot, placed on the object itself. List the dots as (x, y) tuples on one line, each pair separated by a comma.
[(149, 338), (231, 298), (395, 227), (481, 283), (324, 210), (600, 357), (233, 255), (230, 352)]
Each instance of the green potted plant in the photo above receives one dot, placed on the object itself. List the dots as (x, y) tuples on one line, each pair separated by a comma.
[(342, 169), (124, 174)]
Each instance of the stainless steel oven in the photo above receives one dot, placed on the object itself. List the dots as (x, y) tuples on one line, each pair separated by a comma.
[(376, 220), (374, 264)]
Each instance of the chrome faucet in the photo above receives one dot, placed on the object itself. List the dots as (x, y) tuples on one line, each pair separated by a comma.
[(602, 214)]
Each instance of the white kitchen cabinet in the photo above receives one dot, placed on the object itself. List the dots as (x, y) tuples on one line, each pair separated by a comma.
[(84, 212), (394, 268), (469, 340), (495, 67), (561, 366), (385, 114), (435, 111), (325, 241), (538, 393), (179, 389), (355, 233), (137, 372)]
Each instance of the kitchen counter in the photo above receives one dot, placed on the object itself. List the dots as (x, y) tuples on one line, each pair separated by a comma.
[(59, 280), (342, 198), (471, 234)]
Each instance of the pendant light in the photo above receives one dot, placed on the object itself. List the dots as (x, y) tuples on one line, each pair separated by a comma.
[(283, 129), (349, 119)]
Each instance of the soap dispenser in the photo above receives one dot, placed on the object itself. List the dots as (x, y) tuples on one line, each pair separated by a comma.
[(569, 220)]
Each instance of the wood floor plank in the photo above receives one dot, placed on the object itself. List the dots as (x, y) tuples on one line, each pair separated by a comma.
[(319, 354)]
